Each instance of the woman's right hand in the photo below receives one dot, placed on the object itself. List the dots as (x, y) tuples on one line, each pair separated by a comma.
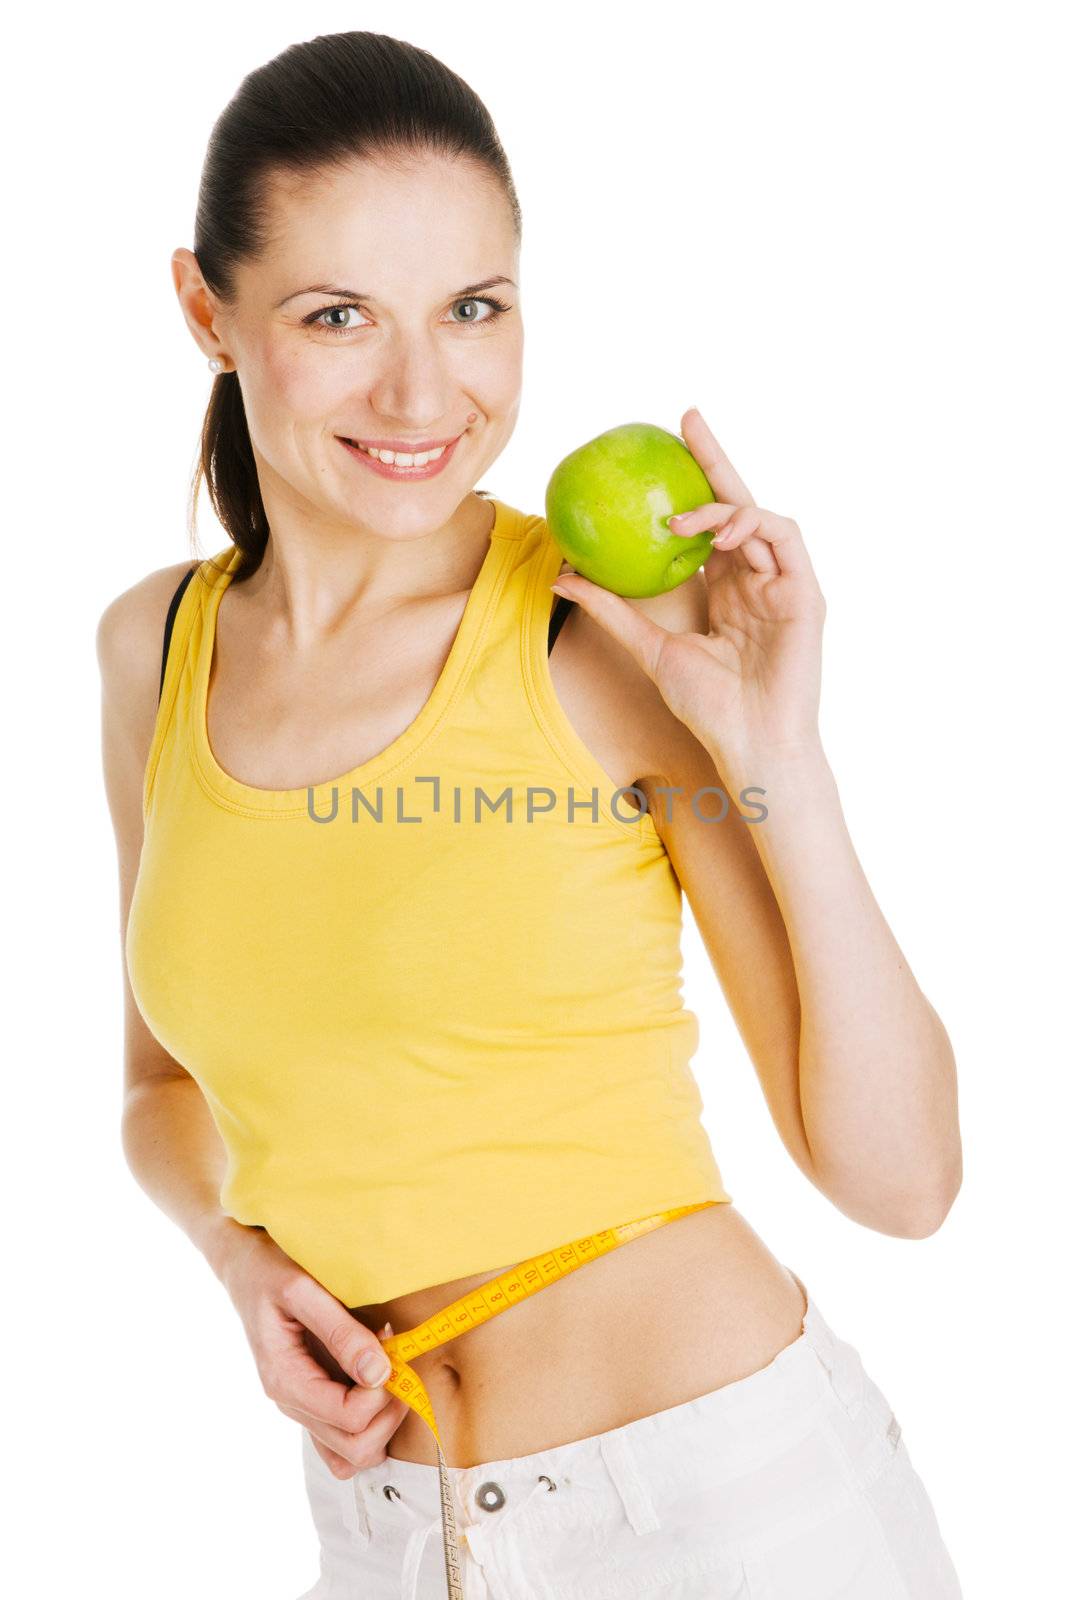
[(287, 1314)]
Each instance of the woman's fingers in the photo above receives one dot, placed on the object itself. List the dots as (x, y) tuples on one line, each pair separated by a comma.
[(769, 541), (292, 1375), (712, 514), (353, 1347), (352, 1451), (327, 1430), (341, 1469), (309, 1351), (726, 482)]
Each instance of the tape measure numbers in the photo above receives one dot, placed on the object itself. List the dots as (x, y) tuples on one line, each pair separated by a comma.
[(518, 1283)]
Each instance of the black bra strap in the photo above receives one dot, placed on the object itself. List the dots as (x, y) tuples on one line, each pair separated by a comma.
[(560, 614), (168, 627)]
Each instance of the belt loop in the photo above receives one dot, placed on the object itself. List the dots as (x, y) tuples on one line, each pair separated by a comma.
[(618, 1458), (841, 1361), (354, 1510)]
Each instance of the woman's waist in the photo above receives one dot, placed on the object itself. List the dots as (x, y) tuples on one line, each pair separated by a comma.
[(675, 1313)]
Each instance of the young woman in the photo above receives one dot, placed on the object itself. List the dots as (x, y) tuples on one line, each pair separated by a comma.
[(387, 1041)]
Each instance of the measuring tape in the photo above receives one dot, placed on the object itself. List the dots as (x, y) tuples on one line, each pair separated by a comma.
[(506, 1290)]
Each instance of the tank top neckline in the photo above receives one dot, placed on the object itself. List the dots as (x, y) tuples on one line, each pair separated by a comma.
[(250, 799)]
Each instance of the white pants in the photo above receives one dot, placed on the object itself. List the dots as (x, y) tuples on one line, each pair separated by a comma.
[(791, 1484)]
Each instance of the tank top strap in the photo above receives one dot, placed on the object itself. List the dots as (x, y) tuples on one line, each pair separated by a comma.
[(506, 726), (183, 631), (517, 621)]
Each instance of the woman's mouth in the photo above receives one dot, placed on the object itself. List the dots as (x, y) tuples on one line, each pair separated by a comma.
[(427, 464)]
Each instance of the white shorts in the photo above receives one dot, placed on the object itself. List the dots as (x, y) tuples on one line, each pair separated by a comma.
[(791, 1484)]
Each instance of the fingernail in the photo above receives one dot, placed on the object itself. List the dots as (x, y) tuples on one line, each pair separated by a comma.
[(564, 592), (678, 521), (373, 1367)]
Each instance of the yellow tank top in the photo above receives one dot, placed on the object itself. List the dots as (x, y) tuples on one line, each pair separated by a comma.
[(433, 1004)]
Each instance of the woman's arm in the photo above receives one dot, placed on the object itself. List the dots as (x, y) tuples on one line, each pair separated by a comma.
[(855, 1063), (876, 1070), (853, 1060), (169, 1137), (860, 1075)]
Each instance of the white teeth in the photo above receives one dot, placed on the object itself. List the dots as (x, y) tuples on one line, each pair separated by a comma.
[(392, 458)]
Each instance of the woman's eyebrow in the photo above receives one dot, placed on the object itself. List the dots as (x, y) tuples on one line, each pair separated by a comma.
[(357, 294)]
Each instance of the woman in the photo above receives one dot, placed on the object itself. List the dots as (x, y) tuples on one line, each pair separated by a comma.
[(373, 1066)]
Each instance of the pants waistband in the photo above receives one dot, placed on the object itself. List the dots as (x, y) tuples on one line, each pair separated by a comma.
[(732, 1427)]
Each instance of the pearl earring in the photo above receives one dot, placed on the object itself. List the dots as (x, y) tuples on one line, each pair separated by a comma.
[(215, 364)]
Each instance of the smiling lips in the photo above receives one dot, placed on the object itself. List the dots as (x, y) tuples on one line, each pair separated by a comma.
[(406, 447), (389, 463)]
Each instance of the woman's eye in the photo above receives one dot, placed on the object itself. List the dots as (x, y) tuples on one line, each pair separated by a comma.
[(336, 311), (494, 309), (346, 313)]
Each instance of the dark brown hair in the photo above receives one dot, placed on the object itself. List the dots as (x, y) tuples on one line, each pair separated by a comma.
[(338, 97)]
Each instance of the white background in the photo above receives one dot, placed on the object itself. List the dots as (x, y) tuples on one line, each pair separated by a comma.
[(834, 229)]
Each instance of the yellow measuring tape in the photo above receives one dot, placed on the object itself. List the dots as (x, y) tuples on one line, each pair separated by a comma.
[(471, 1309)]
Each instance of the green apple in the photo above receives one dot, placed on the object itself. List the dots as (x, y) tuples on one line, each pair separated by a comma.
[(607, 505)]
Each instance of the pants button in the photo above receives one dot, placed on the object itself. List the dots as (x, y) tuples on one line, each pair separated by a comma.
[(490, 1496)]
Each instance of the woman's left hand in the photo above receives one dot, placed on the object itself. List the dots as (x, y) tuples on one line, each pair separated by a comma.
[(750, 683)]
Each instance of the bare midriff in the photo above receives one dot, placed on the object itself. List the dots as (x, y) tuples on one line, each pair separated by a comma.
[(697, 1303)]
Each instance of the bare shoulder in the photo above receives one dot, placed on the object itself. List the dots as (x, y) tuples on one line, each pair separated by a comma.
[(129, 640), (626, 698)]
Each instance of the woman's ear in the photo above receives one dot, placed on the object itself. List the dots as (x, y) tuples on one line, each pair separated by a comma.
[(199, 306)]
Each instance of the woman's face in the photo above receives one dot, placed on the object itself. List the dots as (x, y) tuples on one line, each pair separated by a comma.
[(418, 359)]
